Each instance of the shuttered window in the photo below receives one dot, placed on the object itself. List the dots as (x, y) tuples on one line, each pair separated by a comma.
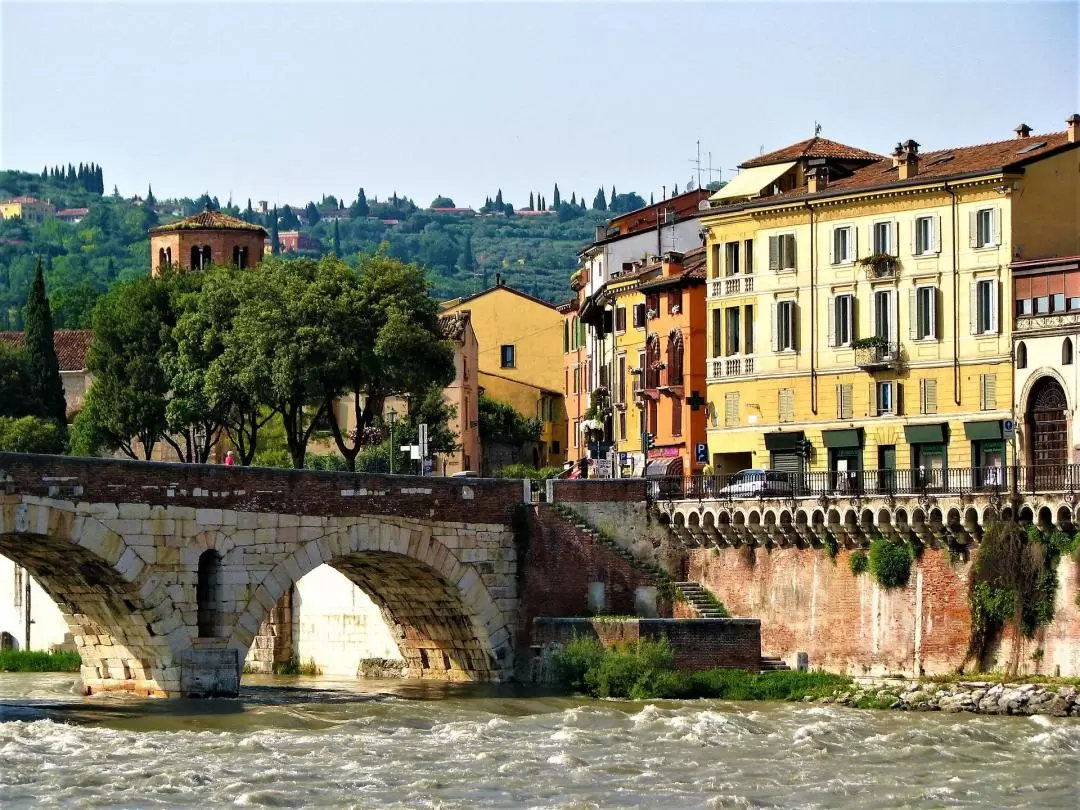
[(923, 313), (984, 228), (639, 315), (927, 396), (787, 404), (731, 409), (984, 307), (784, 334), (988, 391), (782, 253), (620, 319), (843, 401), (842, 320)]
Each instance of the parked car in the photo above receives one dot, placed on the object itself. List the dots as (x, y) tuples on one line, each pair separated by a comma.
[(755, 483)]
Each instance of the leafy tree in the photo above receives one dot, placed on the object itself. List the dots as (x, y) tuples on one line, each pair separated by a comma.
[(289, 220), (442, 202), (599, 201), (337, 238), (30, 434), (16, 383), (500, 423), (311, 214), (359, 208), (466, 264), (626, 202), (46, 386), (555, 197), (275, 238)]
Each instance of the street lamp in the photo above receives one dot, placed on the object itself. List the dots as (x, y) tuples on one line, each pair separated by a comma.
[(392, 416)]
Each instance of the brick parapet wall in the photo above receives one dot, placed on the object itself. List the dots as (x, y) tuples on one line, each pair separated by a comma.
[(698, 644), (591, 490), (251, 489)]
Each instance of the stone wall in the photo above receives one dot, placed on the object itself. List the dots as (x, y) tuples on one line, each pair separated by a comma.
[(810, 603), (698, 644)]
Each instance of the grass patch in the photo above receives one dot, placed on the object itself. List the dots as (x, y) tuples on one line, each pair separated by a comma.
[(37, 661), (890, 563), (645, 670), (294, 666)]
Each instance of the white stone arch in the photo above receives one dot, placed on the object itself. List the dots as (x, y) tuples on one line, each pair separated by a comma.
[(1036, 376), (127, 628), (474, 644)]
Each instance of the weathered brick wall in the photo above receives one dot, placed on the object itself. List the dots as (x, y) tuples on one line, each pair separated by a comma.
[(555, 571), (846, 623), (698, 644), (596, 489)]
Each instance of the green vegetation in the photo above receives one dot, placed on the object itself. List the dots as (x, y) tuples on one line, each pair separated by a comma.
[(30, 434), (532, 473), (859, 562), (502, 424), (832, 548), (890, 562), (646, 670), (294, 666), (37, 661), (1013, 582)]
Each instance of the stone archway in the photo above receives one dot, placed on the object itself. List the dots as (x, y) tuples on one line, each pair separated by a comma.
[(444, 620), (1047, 429)]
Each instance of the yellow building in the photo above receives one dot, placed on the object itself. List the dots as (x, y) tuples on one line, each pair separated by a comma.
[(627, 301), (520, 358), (29, 209), (856, 315)]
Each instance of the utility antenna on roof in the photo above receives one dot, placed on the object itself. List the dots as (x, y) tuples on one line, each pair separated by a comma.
[(817, 129), (711, 171), (697, 163)]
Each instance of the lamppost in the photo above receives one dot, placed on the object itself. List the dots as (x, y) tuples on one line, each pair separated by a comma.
[(392, 416)]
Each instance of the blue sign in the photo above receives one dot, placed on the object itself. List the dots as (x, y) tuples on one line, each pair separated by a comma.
[(1010, 428), (622, 459), (701, 453)]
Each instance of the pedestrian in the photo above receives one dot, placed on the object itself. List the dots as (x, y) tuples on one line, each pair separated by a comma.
[(230, 458)]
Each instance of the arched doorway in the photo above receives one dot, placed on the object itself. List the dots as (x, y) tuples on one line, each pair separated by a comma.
[(1048, 432)]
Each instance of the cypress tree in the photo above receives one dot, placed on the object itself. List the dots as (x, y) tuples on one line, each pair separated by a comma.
[(599, 202), (555, 197), (45, 173), (337, 238), (532, 207), (498, 198), (275, 240), (465, 262), (151, 201), (611, 199), (48, 390), (573, 198)]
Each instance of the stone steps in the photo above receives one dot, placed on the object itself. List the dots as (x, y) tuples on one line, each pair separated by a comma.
[(697, 596), (772, 664)]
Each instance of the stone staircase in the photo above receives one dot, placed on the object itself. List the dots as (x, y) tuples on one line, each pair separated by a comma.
[(702, 601), (601, 538), (771, 664)]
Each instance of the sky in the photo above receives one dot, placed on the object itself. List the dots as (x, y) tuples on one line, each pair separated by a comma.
[(287, 101)]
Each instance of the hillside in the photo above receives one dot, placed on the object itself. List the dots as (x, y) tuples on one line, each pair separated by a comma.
[(461, 251)]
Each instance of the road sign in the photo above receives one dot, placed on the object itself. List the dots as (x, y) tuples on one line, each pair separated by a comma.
[(701, 453), (1009, 427), (603, 468)]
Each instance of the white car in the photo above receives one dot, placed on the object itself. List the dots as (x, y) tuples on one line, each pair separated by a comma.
[(754, 483)]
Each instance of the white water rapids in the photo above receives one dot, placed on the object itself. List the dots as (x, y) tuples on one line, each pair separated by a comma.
[(314, 743)]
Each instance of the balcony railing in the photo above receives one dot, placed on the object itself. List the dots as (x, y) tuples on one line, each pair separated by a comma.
[(731, 285), (776, 485), (882, 268), (882, 355), (732, 366)]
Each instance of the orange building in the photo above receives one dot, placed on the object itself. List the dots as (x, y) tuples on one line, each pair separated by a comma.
[(674, 390), (209, 237), (575, 372)]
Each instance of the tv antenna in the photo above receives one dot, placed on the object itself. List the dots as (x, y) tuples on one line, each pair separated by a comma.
[(711, 171), (817, 129), (697, 163)]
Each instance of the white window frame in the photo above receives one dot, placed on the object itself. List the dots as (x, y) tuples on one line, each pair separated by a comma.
[(933, 244), (918, 294), (850, 246), (841, 303), (781, 265), (993, 324), (890, 232), (885, 390), (785, 312), (990, 218)]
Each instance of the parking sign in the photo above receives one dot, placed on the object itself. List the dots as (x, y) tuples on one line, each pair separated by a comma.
[(701, 453)]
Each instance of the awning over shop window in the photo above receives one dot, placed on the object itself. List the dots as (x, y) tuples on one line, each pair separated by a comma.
[(842, 438), (925, 434), (660, 467), (751, 182), (979, 431), (782, 441)]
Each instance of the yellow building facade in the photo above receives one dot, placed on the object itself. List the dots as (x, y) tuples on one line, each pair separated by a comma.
[(630, 324), (861, 323), (520, 358), (29, 209)]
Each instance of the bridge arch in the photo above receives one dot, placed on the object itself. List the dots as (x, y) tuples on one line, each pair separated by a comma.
[(440, 613)]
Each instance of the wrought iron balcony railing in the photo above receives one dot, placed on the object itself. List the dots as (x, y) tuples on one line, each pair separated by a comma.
[(878, 355)]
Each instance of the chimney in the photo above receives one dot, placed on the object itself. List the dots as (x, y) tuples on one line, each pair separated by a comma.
[(600, 232), (897, 154), (1073, 127), (498, 279), (909, 160), (1022, 130), (817, 179), (673, 263)]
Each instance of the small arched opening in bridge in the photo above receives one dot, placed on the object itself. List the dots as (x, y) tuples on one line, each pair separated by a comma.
[(208, 594), (8, 642)]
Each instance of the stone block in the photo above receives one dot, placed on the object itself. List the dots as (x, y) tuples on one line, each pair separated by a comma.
[(208, 517), (288, 520), (133, 511), (129, 565)]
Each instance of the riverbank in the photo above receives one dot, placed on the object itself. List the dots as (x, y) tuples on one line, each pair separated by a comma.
[(974, 696), (38, 661)]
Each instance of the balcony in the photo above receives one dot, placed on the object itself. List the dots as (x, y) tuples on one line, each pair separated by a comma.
[(723, 367), (880, 266), (732, 285), (876, 353)]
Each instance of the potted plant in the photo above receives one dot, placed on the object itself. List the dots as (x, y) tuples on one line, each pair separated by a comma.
[(879, 264)]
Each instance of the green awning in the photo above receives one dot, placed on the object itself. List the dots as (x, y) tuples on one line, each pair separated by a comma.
[(782, 441), (925, 434), (842, 438), (977, 431)]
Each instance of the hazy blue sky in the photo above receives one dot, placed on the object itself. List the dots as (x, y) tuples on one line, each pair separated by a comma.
[(285, 102)]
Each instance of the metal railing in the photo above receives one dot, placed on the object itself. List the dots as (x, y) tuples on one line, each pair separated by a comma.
[(884, 354), (773, 485)]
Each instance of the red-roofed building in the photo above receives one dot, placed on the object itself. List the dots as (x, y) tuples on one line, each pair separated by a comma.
[(71, 346), (72, 215), (293, 241), (28, 209)]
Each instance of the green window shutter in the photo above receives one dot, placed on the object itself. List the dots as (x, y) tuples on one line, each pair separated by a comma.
[(774, 253)]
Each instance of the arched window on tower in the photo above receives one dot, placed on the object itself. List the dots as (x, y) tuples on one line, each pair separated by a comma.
[(1021, 355), (675, 358), (208, 593), (161, 257), (240, 256), (200, 257), (168, 255), (1067, 352)]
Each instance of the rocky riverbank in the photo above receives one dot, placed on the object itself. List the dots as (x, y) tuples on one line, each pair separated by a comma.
[(979, 697)]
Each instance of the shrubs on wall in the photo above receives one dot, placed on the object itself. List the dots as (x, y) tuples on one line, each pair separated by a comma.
[(889, 563), (858, 562)]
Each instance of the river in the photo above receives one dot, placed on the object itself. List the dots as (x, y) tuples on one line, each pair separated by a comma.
[(379, 744)]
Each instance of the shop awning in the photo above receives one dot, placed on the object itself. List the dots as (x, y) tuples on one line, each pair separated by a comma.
[(783, 441), (977, 431), (842, 438), (660, 467), (925, 434), (750, 182)]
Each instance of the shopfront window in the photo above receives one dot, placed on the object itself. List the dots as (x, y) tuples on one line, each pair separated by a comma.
[(929, 462)]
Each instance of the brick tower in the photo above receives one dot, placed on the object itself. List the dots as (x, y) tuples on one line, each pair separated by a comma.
[(205, 238)]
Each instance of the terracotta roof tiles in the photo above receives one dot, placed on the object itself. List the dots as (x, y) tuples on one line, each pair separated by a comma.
[(811, 148), (453, 325), (209, 221), (71, 346)]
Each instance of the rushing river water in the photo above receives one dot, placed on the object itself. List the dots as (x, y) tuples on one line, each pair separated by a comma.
[(314, 743)]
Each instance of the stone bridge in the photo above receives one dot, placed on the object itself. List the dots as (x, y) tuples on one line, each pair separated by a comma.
[(164, 572)]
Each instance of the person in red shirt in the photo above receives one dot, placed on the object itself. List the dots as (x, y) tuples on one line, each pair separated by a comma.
[(230, 458)]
